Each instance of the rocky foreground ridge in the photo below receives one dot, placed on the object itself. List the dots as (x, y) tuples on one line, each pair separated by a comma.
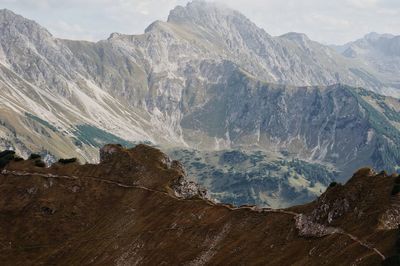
[(137, 208)]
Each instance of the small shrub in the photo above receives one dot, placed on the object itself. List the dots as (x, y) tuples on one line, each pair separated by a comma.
[(396, 189), (67, 161), (6, 157), (383, 172), (18, 159), (40, 163), (333, 184), (34, 156), (3, 162), (6, 153)]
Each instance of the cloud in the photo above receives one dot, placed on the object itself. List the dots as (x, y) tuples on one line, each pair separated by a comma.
[(66, 30), (325, 21), (335, 22), (363, 3), (328, 22)]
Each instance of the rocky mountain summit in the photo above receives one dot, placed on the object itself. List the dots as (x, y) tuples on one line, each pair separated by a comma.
[(126, 210)]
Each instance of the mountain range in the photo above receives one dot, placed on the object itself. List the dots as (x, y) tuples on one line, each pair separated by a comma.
[(380, 51), (207, 81)]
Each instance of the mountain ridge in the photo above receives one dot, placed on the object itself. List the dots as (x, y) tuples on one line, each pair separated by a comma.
[(139, 207)]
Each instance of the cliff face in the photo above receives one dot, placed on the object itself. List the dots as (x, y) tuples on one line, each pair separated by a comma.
[(137, 208)]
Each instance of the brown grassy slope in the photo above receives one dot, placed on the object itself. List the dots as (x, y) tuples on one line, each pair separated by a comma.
[(124, 212)]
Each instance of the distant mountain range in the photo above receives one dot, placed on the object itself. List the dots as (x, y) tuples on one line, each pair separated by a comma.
[(379, 51), (206, 81)]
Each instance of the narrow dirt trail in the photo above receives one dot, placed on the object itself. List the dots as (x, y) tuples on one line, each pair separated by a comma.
[(364, 244), (107, 181), (251, 208)]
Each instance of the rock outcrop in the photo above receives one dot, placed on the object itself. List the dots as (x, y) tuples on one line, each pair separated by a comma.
[(186, 189), (308, 228)]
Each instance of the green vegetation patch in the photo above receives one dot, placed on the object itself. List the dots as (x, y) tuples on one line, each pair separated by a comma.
[(97, 137), (34, 156), (68, 161), (314, 172), (333, 184), (242, 177), (42, 122), (18, 159), (233, 157), (390, 113), (6, 157)]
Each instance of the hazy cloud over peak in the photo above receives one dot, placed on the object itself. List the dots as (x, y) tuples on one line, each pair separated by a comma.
[(325, 21)]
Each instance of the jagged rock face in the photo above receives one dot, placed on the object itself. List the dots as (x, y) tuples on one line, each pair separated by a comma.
[(357, 202), (274, 59), (33, 53), (186, 189), (331, 211), (391, 219), (308, 228), (122, 210)]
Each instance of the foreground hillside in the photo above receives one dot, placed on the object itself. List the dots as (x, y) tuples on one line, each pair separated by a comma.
[(136, 208)]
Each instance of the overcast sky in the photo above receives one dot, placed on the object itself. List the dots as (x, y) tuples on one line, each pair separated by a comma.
[(327, 21)]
